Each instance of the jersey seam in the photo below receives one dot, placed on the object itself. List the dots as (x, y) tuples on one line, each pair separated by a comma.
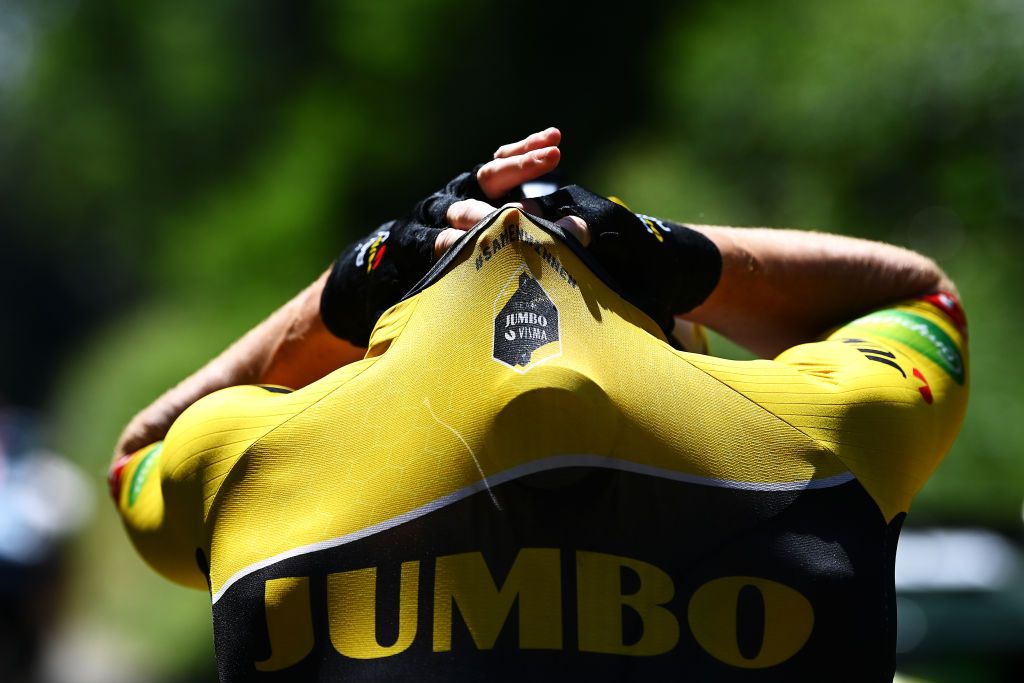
[(213, 498), (283, 423), (307, 407), (784, 421)]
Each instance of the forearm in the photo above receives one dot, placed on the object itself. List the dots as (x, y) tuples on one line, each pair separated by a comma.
[(303, 350), (291, 348), (780, 288)]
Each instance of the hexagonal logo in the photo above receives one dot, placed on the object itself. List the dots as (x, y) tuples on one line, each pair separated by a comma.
[(526, 326)]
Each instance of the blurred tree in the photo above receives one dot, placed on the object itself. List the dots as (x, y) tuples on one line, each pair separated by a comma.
[(897, 121), (173, 171)]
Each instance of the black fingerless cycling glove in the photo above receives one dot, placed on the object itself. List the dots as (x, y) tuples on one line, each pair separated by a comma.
[(662, 268), (375, 273)]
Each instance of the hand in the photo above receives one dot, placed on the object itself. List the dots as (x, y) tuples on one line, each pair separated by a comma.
[(513, 165), (373, 274), (520, 162), (660, 267)]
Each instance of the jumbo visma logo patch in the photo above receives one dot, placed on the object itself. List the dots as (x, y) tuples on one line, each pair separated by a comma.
[(526, 325)]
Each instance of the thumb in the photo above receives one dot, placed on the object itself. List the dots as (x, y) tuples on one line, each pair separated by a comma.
[(445, 239), (577, 227), (468, 212)]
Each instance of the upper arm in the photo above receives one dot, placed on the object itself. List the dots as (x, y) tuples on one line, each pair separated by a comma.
[(896, 395), (164, 491), (885, 393)]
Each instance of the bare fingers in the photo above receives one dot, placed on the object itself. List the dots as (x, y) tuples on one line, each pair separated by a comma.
[(465, 214), (574, 225), (577, 227), (445, 239), (545, 138), (498, 176), (462, 216)]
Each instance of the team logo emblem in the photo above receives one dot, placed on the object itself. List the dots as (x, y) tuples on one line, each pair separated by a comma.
[(372, 251), (920, 334), (877, 355), (526, 326), (655, 226)]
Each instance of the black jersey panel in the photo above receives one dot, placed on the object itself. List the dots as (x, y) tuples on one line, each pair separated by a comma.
[(761, 566)]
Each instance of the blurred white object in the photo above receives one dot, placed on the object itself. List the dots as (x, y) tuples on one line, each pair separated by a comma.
[(956, 559), (44, 498)]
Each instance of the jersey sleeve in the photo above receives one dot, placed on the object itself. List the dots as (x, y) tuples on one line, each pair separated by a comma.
[(164, 492), (885, 393)]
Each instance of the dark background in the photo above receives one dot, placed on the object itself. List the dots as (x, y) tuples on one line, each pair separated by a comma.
[(170, 172)]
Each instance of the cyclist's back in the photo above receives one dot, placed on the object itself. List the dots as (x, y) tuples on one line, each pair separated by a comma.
[(524, 480)]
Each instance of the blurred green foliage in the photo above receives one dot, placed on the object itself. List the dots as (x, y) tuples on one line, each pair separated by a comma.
[(173, 171)]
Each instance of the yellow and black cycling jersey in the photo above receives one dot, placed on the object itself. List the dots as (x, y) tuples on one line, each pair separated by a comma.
[(523, 479)]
